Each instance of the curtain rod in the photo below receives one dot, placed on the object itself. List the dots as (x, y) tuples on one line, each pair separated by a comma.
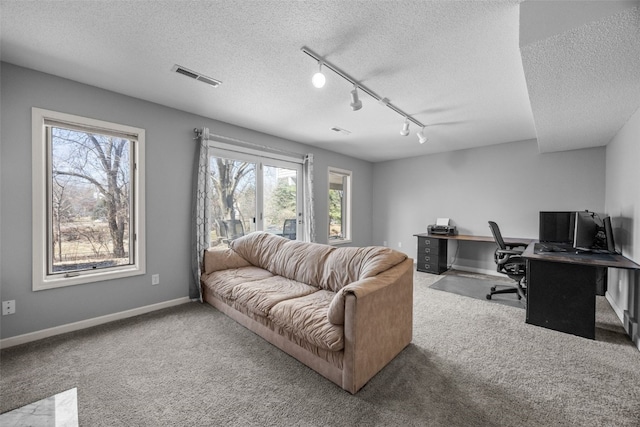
[(347, 77), (208, 135)]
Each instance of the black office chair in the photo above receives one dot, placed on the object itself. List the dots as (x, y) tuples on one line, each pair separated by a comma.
[(233, 228), (510, 262), (289, 229)]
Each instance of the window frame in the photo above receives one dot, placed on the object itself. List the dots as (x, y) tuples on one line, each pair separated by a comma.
[(261, 159), (347, 197), (41, 162)]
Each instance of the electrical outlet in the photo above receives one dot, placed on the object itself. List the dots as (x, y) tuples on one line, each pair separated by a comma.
[(399, 244), (8, 307), (155, 279), (384, 243)]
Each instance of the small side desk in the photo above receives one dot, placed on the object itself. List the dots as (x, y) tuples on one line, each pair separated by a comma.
[(561, 288), (432, 249)]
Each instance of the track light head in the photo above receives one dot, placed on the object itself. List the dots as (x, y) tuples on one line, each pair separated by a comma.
[(422, 138), (318, 78), (356, 104), (405, 128)]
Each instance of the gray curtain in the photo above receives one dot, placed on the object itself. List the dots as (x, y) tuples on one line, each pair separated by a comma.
[(309, 229), (200, 215)]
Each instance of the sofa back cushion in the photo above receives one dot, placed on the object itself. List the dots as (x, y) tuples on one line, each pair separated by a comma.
[(302, 261), (348, 265), (323, 266), (217, 260), (299, 261), (258, 247)]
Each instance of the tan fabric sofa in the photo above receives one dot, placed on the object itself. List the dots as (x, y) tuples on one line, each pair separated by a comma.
[(344, 312)]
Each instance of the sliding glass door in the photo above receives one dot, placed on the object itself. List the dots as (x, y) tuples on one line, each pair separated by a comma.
[(280, 200), (233, 210), (252, 193)]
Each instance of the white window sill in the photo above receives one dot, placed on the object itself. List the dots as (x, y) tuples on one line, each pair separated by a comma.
[(59, 281)]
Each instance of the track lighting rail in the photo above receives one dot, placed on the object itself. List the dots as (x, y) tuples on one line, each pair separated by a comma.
[(360, 86)]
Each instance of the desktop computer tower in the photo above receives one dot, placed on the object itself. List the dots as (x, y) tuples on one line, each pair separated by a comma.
[(601, 280)]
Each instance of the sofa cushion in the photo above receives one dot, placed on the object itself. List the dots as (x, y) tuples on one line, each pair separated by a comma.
[(258, 247), (300, 261), (335, 313), (348, 265), (261, 295), (222, 259), (306, 318), (223, 282)]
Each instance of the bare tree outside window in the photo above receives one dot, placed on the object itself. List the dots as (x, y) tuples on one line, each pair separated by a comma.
[(233, 197), (90, 192)]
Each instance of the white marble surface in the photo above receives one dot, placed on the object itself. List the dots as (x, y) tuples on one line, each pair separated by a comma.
[(60, 410)]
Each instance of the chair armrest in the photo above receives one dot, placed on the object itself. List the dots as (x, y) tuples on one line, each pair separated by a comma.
[(516, 259), (516, 245), (508, 252)]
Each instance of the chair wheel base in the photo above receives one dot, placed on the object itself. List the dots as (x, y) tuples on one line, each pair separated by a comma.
[(488, 296)]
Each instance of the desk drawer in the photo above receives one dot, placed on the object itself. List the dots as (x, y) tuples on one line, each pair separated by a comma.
[(431, 246), (434, 267), (429, 250), (431, 258)]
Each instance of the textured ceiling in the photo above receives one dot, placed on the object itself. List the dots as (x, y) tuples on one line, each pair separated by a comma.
[(584, 83), (454, 65)]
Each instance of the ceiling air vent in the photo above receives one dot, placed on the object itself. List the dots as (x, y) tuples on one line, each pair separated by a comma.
[(196, 76)]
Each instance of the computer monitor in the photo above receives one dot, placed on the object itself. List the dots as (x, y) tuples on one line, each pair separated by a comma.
[(608, 232), (556, 227), (585, 231)]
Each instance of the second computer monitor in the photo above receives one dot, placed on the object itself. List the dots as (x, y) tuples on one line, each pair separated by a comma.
[(585, 231), (608, 231), (557, 227)]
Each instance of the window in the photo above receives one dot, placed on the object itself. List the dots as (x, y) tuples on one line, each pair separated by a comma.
[(253, 192), (339, 206), (88, 200)]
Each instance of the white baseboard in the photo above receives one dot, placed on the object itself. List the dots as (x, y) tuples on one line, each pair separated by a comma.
[(492, 272), (76, 326), (619, 312)]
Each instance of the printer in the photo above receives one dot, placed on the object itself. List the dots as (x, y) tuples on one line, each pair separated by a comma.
[(442, 227)]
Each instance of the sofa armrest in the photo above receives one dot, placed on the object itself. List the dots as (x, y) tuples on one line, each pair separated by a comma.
[(216, 260), (364, 287), (378, 323)]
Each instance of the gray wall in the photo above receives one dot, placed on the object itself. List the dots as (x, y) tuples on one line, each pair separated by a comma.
[(170, 153), (623, 205), (506, 183)]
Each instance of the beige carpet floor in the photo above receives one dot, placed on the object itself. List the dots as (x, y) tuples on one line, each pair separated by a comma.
[(471, 363)]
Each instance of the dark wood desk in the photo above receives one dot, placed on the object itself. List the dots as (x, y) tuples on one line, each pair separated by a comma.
[(561, 288), (432, 249)]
